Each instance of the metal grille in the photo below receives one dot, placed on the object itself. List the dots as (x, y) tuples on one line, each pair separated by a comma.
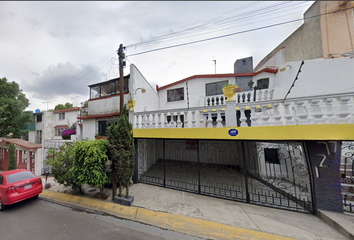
[(235, 170), (347, 175)]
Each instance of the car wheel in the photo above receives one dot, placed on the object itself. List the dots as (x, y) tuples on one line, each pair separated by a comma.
[(2, 206), (35, 197)]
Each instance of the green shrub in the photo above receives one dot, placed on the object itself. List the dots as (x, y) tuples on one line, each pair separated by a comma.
[(12, 157), (89, 158), (62, 163)]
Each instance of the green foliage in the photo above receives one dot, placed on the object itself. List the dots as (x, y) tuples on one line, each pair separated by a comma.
[(228, 85), (62, 163), (12, 157), (12, 104), (63, 106), (121, 147), (89, 162)]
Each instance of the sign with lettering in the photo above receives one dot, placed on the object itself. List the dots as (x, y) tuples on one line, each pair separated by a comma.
[(233, 132)]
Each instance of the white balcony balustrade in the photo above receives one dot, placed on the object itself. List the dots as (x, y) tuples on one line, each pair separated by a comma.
[(333, 109)]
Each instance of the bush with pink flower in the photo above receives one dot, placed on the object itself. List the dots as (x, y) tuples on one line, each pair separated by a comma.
[(66, 134)]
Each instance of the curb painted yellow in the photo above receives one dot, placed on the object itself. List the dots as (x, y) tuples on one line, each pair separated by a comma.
[(175, 222), (292, 132)]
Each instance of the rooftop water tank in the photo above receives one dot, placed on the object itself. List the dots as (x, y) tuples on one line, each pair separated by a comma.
[(37, 111)]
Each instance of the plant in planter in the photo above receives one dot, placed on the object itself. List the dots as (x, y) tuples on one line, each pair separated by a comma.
[(66, 134), (122, 150), (230, 90), (98, 136)]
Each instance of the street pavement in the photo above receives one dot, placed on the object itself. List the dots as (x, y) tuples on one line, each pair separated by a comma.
[(207, 217)]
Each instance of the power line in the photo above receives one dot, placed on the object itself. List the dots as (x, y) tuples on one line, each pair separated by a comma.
[(232, 34)]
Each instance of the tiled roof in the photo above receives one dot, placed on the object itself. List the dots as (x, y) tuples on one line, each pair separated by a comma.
[(61, 126), (100, 115), (22, 143), (67, 110)]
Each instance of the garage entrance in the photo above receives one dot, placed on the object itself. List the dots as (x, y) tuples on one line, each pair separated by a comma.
[(273, 174)]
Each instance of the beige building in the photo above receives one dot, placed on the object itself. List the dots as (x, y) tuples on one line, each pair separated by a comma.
[(327, 32)]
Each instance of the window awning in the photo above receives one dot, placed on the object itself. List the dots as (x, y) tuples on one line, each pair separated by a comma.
[(61, 126)]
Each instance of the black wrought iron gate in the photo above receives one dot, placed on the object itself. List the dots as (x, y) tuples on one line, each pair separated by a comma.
[(274, 174)]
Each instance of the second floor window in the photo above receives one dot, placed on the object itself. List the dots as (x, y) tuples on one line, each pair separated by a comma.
[(214, 88), (61, 116), (263, 83), (175, 95), (39, 118)]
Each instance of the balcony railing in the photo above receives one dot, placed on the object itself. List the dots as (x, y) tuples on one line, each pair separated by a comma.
[(333, 109), (241, 97)]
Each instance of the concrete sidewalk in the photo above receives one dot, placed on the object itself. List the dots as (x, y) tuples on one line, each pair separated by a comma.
[(204, 216)]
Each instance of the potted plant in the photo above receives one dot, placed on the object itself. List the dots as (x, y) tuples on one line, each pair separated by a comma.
[(230, 90), (131, 104)]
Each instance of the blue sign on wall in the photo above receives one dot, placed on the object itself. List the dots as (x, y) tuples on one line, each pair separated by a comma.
[(233, 132)]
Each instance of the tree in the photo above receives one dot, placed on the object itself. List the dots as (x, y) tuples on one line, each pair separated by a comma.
[(122, 150), (13, 102), (61, 163), (63, 106), (89, 168), (12, 157)]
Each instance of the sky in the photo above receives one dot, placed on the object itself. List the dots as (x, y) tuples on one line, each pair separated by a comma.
[(54, 50)]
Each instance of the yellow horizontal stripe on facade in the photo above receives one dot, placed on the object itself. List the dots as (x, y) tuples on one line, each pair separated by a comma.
[(293, 132)]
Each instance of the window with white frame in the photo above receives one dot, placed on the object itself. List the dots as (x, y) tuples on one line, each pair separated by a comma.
[(214, 88), (175, 95), (61, 116), (58, 131)]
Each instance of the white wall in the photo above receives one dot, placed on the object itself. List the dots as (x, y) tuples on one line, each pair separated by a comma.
[(317, 77), (149, 101), (196, 92), (48, 125), (89, 129)]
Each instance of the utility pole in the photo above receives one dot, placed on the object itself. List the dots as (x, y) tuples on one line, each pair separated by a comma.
[(121, 55), (215, 65), (47, 104)]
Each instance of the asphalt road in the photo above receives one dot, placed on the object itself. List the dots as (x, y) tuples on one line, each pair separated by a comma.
[(39, 219)]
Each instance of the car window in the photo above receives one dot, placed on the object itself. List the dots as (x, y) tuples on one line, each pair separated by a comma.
[(19, 176), (1, 179)]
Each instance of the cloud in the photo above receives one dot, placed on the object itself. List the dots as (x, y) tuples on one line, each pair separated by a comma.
[(63, 80)]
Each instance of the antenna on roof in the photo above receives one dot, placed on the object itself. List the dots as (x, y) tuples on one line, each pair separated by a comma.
[(215, 65)]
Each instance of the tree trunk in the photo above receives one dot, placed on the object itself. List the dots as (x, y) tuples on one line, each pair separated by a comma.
[(114, 182), (120, 188), (127, 189)]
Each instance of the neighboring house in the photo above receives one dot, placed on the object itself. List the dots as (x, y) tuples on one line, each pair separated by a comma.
[(103, 104), (28, 155), (50, 124), (63, 119), (31, 130), (330, 35)]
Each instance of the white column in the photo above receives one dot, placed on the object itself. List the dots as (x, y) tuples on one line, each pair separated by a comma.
[(254, 117), (218, 118), (193, 119), (243, 117), (316, 113), (230, 113), (289, 118), (276, 115), (343, 112), (159, 120), (265, 116), (301, 113), (153, 122), (185, 119)]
